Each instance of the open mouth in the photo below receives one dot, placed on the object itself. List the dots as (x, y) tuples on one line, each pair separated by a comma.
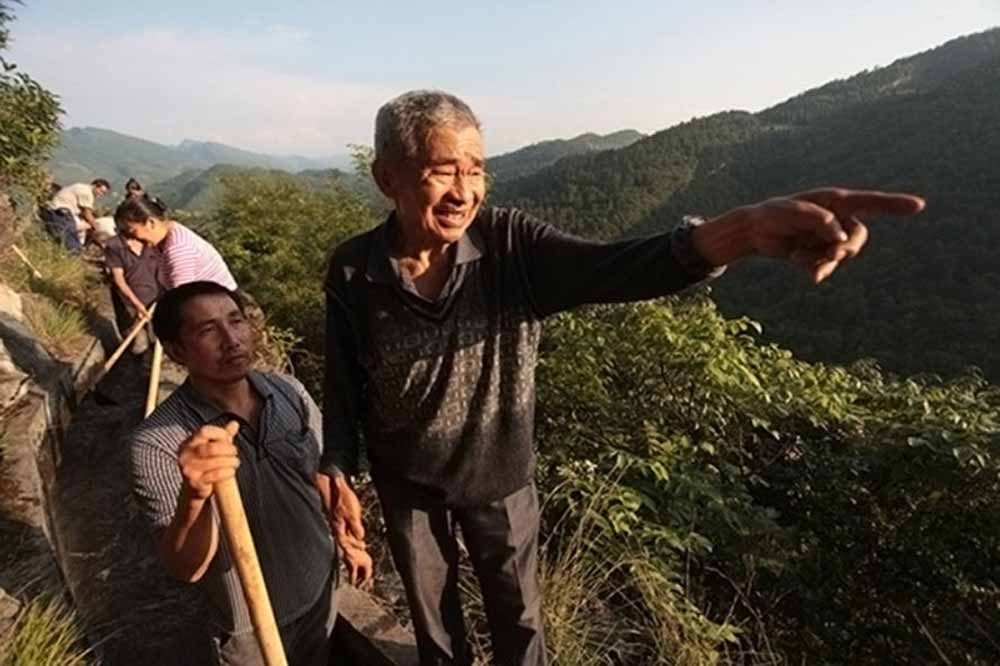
[(450, 218)]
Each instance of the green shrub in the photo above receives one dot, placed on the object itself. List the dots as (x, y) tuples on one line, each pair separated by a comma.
[(834, 515), (578, 578), (64, 278), (29, 122), (740, 506), (275, 235)]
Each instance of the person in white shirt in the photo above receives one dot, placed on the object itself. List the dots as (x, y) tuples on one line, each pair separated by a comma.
[(70, 213)]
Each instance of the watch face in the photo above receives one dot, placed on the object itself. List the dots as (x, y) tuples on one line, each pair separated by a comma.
[(686, 255)]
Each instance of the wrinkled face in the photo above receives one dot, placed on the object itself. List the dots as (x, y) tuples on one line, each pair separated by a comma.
[(216, 343), (438, 194)]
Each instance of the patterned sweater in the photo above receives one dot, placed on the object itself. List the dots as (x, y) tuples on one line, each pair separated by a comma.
[(442, 392)]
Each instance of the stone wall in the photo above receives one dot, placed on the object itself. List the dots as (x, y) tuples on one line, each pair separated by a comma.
[(37, 394)]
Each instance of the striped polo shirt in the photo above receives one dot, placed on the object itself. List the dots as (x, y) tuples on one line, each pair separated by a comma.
[(279, 457), (187, 257)]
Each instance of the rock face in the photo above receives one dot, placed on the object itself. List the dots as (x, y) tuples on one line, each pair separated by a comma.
[(10, 303), (13, 382), (9, 610), (30, 417)]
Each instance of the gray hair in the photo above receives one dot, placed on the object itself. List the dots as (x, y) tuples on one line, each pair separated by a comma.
[(403, 123)]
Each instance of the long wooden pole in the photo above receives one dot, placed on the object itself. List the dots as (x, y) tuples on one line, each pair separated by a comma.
[(134, 331), (153, 392), (237, 533), (37, 273)]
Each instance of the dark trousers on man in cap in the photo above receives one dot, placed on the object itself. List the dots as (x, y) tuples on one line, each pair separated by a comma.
[(502, 540)]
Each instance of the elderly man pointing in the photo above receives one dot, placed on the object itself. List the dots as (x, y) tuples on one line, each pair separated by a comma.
[(433, 325)]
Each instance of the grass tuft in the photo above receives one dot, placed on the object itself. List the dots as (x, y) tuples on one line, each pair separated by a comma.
[(65, 278), (60, 328), (45, 634)]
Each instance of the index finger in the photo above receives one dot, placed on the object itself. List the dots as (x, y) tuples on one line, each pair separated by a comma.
[(846, 203)]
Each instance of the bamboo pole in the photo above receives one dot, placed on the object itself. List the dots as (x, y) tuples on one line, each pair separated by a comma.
[(241, 548), (153, 393), (136, 327), (37, 273)]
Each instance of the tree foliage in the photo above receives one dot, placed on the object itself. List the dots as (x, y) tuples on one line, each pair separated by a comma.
[(531, 159), (841, 515), (275, 234), (608, 193), (753, 508), (745, 506), (923, 295), (29, 121)]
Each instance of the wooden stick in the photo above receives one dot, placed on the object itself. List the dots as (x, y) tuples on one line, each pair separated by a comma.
[(37, 273), (153, 393), (136, 327), (241, 548)]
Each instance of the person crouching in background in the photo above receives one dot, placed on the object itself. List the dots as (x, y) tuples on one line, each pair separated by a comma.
[(133, 269), (133, 188), (70, 213), (186, 256)]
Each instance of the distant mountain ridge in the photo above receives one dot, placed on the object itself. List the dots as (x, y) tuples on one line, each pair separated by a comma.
[(200, 190), (608, 194), (189, 174), (531, 159), (924, 297), (85, 153)]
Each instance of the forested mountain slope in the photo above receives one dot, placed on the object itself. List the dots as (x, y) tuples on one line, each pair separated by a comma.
[(530, 159), (923, 296)]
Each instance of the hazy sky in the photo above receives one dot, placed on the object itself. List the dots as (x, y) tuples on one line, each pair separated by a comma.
[(307, 76)]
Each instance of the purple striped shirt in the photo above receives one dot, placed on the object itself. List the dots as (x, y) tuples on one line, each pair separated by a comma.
[(187, 257)]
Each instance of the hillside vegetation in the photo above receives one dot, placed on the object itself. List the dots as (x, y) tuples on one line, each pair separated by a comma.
[(712, 500), (85, 153), (197, 192), (37, 627), (29, 121), (531, 159), (919, 299)]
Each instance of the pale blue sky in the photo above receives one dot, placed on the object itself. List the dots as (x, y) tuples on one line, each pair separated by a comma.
[(307, 77)]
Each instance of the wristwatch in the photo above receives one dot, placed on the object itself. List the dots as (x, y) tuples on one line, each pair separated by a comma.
[(682, 248)]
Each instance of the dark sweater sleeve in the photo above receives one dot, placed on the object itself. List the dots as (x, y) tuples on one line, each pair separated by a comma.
[(342, 390), (563, 271)]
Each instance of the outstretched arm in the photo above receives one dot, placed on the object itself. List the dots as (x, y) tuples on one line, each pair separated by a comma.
[(818, 229)]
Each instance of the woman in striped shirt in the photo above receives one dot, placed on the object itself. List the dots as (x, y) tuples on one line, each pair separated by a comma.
[(187, 257)]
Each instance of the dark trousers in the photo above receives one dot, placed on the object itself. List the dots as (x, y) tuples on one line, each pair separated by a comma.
[(502, 540), (61, 225), (306, 639)]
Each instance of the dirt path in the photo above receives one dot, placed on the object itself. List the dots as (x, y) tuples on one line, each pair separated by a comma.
[(130, 606)]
